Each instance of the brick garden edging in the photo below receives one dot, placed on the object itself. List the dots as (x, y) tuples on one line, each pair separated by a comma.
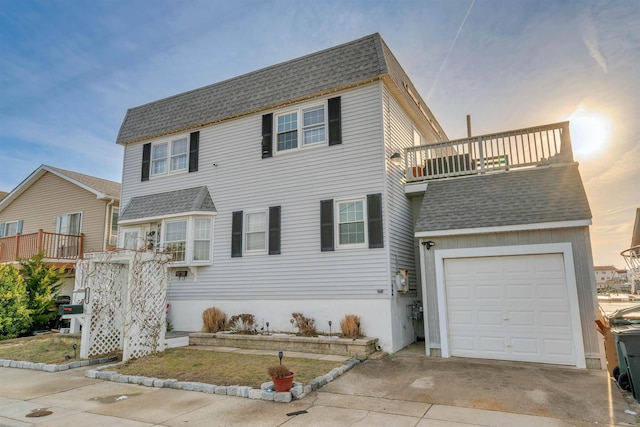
[(52, 367), (265, 392)]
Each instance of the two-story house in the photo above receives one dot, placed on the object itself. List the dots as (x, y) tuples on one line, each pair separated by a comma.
[(317, 186), (61, 213)]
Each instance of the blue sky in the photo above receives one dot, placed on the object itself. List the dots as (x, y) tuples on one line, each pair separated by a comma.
[(70, 69)]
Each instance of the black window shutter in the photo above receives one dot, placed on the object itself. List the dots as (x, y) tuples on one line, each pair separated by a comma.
[(267, 135), (236, 234), (335, 126), (274, 230), (146, 161), (194, 145), (326, 225), (374, 217)]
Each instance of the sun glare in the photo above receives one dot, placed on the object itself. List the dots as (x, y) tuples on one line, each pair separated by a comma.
[(590, 132)]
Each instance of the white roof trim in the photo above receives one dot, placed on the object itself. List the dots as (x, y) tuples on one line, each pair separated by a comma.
[(505, 228), (26, 183), (163, 217)]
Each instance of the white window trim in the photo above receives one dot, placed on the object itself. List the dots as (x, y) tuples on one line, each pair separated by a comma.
[(336, 216), (299, 111), (169, 144), (4, 234), (245, 223), (66, 215)]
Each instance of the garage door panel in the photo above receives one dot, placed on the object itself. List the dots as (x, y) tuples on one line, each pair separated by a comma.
[(555, 319), (490, 318), (558, 347), (509, 307), (458, 318), (493, 345), (488, 292), (522, 292), (521, 319), (460, 293), (463, 343), (529, 347)]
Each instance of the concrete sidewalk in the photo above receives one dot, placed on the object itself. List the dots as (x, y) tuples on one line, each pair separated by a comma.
[(406, 389)]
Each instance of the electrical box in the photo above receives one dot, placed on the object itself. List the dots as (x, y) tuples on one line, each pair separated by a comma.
[(402, 280), (71, 309)]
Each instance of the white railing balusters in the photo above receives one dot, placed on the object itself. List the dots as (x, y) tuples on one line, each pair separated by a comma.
[(485, 153)]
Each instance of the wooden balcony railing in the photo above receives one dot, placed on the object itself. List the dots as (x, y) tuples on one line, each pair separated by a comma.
[(485, 153), (53, 245)]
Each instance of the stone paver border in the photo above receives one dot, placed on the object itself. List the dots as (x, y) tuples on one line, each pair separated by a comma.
[(52, 367), (298, 391)]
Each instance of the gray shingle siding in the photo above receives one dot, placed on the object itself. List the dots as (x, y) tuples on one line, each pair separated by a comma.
[(532, 196), (331, 69), (195, 199)]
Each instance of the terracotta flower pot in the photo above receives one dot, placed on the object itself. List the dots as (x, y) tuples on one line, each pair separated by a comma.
[(283, 384)]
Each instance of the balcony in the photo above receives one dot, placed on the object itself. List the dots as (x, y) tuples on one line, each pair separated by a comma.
[(56, 247), (522, 148)]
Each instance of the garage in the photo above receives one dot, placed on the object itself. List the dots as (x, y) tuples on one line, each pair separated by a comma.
[(506, 269), (509, 308)]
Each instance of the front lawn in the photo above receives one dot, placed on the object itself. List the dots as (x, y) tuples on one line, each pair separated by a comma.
[(224, 369), (43, 349)]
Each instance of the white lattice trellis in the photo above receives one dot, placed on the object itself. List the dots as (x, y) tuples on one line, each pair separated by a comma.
[(125, 306)]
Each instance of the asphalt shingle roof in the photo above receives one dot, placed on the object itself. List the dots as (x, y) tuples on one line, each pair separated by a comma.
[(531, 196), (195, 199), (109, 188), (342, 66)]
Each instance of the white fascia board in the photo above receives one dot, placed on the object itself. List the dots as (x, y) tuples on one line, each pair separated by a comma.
[(419, 187), (162, 217), (504, 228)]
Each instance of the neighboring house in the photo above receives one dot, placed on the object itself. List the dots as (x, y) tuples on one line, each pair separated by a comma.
[(606, 276), (62, 213), (298, 188), (3, 194)]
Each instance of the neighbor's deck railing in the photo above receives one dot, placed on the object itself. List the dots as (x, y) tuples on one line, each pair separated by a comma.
[(485, 153), (53, 245)]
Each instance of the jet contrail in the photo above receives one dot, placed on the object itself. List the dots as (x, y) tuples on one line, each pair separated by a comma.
[(453, 43)]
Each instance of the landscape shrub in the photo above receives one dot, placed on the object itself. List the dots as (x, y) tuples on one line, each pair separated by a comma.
[(214, 320), (15, 316), (306, 326), (42, 283)]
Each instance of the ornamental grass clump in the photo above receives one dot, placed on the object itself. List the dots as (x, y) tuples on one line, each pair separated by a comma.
[(214, 320), (350, 326), (244, 323)]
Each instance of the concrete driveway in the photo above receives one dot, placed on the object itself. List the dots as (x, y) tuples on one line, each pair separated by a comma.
[(405, 389)]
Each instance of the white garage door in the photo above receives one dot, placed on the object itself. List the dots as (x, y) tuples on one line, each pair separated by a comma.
[(509, 308)]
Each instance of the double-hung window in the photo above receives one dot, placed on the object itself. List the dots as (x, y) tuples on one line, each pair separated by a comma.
[(113, 227), (201, 239), (301, 128), (255, 232), (351, 223), (175, 239), (169, 156)]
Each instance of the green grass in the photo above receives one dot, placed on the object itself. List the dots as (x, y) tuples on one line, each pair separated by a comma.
[(40, 349), (220, 368)]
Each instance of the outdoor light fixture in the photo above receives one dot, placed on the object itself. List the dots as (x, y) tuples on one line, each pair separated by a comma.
[(396, 158), (429, 244)]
